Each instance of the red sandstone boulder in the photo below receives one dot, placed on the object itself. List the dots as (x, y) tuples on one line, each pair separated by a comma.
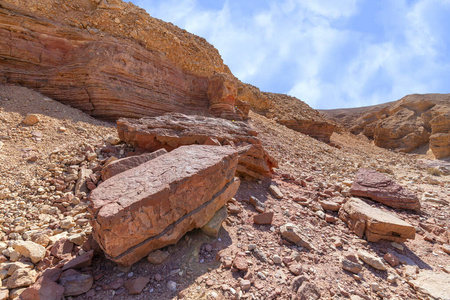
[(156, 203), (374, 223), (174, 130), (380, 188)]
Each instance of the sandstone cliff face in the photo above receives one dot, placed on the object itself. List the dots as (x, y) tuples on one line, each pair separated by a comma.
[(405, 125), (111, 59)]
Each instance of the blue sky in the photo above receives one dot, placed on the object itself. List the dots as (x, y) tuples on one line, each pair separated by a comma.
[(328, 53)]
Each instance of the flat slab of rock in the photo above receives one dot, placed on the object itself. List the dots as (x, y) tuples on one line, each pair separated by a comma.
[(432, 285), (171, 131), (127, 163), (378, 187), (374, 223), (156, 203), (293, 234)]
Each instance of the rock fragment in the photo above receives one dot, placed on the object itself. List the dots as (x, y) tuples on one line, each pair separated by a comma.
[(372, 260), (293, 234)]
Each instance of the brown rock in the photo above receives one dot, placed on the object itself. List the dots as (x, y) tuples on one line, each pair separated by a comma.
[(351, 266), (79, 262), (380, 188), (293, 234), (83, 176), (374, 223), (75, 283), (30, 119), (212, 228), (43, 289), (222, 96), (240, 263), (21, 278), (174, 130), (124, 164), (391, 259), (296, 268), (431, 285), (62, 248), (263, 219), (330, 205), (156, 203), (136, 285), (308, 291), (157, 257)]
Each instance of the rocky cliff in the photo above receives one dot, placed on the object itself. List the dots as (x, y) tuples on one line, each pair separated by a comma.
[(111, 59), (406, 125)]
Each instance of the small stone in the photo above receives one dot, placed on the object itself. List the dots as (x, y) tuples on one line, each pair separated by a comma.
[(157, 257), (351, 266), (296, 268), (31, 119), (245, 285), (392, 278), (213, 226), (135, 286), (276, 259), (31, 250), (375, 287), (113, 140), (240, 263), (259, 206), (391, 259), (275, 191), (369, 259), (263, 219), (293, 234), (21, 278), (62, 129), (446, 248), (158, 277), (172, 286)]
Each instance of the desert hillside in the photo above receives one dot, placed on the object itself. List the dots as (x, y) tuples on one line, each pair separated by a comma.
[(413, 123), (134, 165)]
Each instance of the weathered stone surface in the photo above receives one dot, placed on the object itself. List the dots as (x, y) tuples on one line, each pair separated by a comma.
[(293, 234), (406, 125), (43, 289), (222, 96), (110, 75), (432, 285), (21, 278), (213, 226), (31, 250), (79, 262), (374, 223), (136, 285), (75, 283), (351, 266), (263, 219), (372, 260), (174, 130), (30, 119), (156, 203), (121, 165), (80, 186), (378, 187), (157, 257)]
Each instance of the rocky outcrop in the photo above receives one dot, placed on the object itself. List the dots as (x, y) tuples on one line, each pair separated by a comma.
[(298, 116), (406, 125), (378, 187), (374, 223), (111, 59), (106, 74), (174, 130), (156, 203)]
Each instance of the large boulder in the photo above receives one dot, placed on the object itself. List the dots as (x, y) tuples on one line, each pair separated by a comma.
[(374, 223), (378, 187), (156, 203), (174, 130)]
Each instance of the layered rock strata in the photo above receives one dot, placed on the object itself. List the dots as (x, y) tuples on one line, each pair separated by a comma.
[(378, 187), (174, 130), (156, 203), (407, 125), (375, 224)]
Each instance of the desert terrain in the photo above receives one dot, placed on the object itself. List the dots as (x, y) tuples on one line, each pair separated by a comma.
[(208, 188)]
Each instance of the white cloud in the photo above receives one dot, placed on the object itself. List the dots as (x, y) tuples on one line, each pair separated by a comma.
[(296, 46)]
